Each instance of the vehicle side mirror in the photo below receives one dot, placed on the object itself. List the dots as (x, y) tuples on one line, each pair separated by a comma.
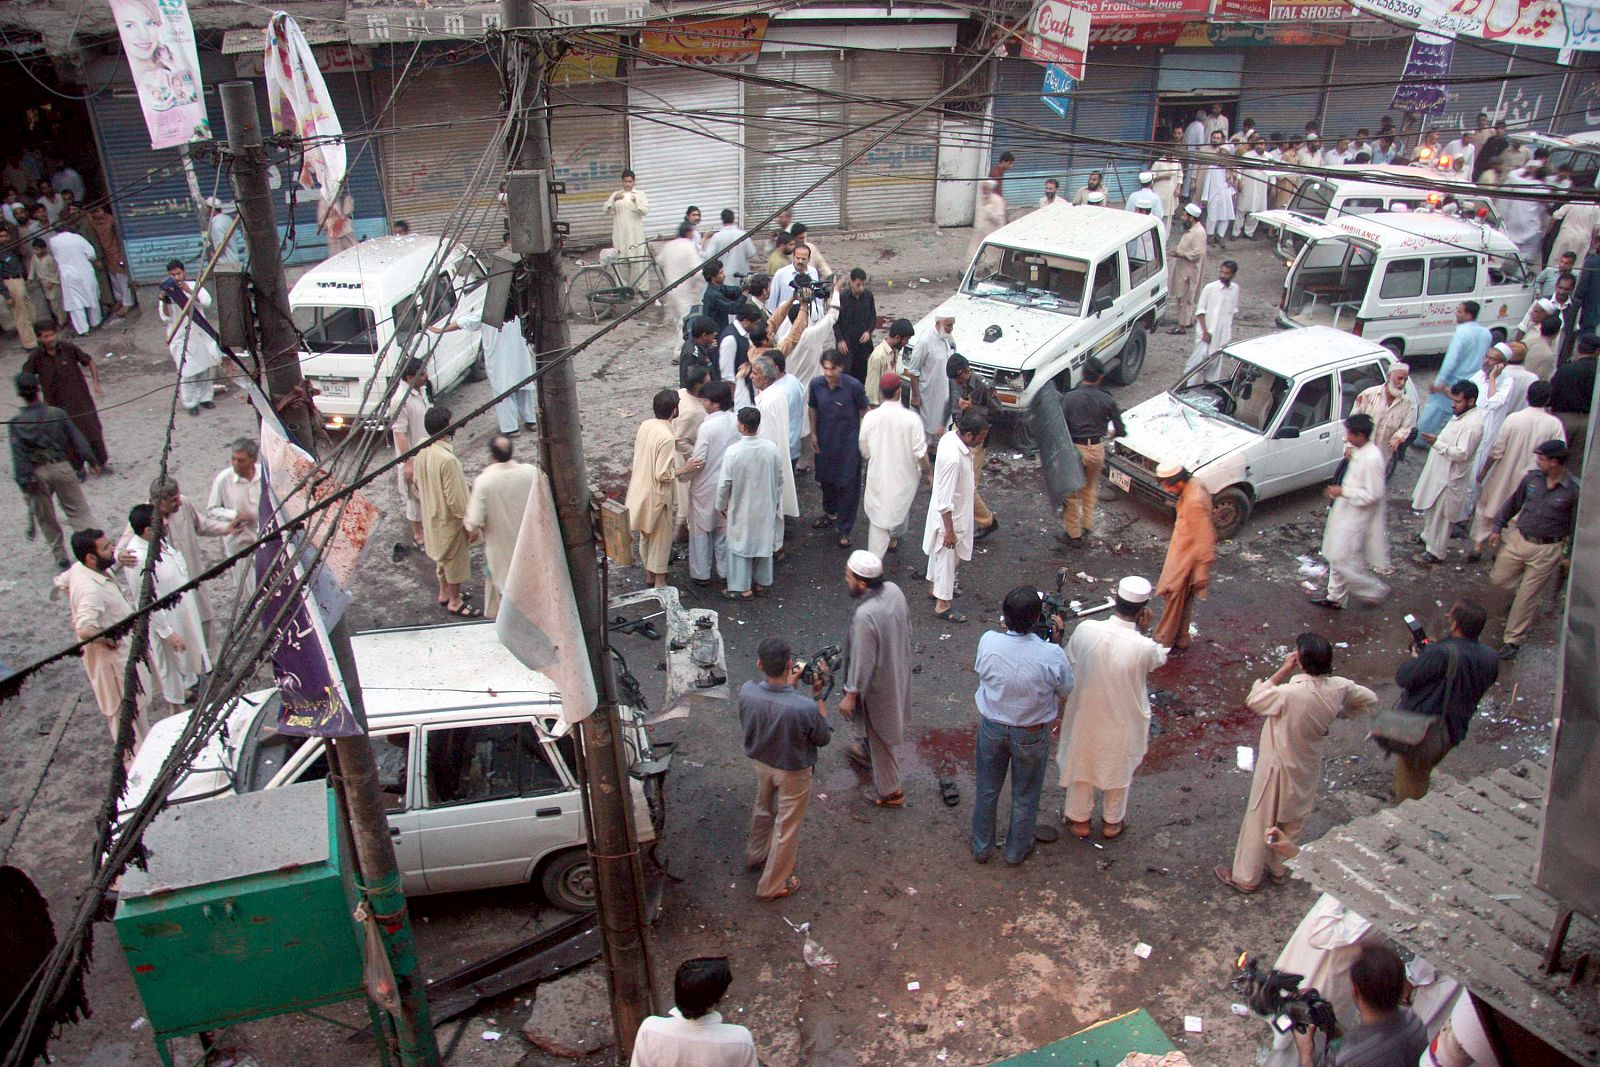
[(1287, 433), (1101, 303)]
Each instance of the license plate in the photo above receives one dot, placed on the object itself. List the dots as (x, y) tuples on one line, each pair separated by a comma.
[(1120, 479), (333, 388)]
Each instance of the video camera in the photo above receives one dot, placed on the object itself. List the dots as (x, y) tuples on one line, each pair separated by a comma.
[(1419, 636), (1051, 605), (807, 288), (1277, 997), (828, 656)]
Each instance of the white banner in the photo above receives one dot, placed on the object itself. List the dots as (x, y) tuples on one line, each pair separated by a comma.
[(1534, 23), (159, 42)]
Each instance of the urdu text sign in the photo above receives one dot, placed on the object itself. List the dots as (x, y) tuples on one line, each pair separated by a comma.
[(1057, 84)]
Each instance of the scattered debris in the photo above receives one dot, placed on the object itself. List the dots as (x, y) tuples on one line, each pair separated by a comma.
[(1241, 1011), (1245, 756), (1142, 950), (1193, 1024), (812, 952), (912, 987), (491, 1035)]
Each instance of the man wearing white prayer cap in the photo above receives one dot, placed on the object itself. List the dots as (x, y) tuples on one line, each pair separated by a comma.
[(1144, 201), (1105, 726), (1095, 198), (1185, 261), (1543, 342), (1187, 571), (877, 677)]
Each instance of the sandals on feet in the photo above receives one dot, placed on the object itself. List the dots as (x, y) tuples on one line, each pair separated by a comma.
[(463, 611), (790, 887), (950, 616), (1225, 876), (1112, 830), (824, 522), (1080, 830)]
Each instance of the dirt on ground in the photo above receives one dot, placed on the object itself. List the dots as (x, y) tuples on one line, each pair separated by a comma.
[(938, 960)]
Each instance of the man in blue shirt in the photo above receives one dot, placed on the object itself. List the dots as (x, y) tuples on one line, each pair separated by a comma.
[(837, 402), (1462, 360), (782, 732), (1022, 680)]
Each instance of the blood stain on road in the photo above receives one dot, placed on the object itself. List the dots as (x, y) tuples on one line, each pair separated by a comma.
[(947, 746)]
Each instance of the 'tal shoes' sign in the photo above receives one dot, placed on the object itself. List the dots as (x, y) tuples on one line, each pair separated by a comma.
[(1058, 34)]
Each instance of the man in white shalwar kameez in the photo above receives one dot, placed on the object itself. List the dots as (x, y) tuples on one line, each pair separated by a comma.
[(184, 525), (677, 258), (236, 494), (1502, 391), (1355, 541), (1393, 412), (947, 534), (774, 407), (1252, 179), (750, 495), (98, 603), (989, 213), (1168, 173), (494, 512), (1105, 726), (1217, 191), (1213, 317), (1442, 486), (627, 207), (177, 642), (1509, 460), (80, 289), (895, 446), (925, 366), (708, 530), (191, 342)]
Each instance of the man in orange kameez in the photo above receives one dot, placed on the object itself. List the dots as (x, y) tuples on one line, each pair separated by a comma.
[(1188, 568)]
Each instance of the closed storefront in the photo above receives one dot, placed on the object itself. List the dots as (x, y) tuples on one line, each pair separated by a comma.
[(588, 130), (1282, 88), (155, 209), (1476, 77), (1580, 96), (796, 137), (685, 136), (443, 121), (894, 182), (1532, 94), (1364, 76)]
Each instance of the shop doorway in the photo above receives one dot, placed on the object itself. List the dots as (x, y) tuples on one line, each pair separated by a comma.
[(1174, 111), (50, 127)]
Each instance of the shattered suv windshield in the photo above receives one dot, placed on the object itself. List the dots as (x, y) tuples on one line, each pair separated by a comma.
[(1032, 279)]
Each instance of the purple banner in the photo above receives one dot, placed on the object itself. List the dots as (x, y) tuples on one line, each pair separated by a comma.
[(1422, 89), (310, 688)]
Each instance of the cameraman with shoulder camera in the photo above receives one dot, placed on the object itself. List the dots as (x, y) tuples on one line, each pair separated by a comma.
[(1022, 681), (1390, 1033), (782, 732), (1446, 678)]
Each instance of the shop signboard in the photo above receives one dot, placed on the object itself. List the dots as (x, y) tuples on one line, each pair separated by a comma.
[(383, 22), (1535, 23), (1058, 34), (1138, 12), (1057, 87), (1422, 88), (722, 42)]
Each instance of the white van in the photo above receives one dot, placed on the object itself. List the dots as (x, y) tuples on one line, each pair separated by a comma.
[(1366, 191), (1396, 278), (354, 311), (1057, 286)]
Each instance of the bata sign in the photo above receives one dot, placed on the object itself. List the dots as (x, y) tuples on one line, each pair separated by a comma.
[(1058, 34)]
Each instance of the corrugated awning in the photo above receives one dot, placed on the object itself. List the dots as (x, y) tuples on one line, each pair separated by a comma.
[(317, 31), (1450, 877)]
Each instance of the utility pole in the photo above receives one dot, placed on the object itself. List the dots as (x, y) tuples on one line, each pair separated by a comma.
[(613, 843), (280, 346), (356, 771)]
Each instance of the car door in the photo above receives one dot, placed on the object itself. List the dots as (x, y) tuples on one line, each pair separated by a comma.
[(393, 751), (491, 801), (1310, 454), (1107, 312), (1355, 380)]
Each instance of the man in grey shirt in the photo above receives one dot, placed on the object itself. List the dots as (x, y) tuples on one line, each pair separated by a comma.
[(1390, 1033), (782, 732)]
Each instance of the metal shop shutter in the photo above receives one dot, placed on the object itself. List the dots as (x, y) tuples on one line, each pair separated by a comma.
[(1530, 102), (432, 156), (1364, 78), (1486, 69), (895, 181), (1116, 104), (684, 134), (1580, 97), (1282, 89), (1188, 70), (1025, 126), (588, 127), (795, 137), (157, 218)]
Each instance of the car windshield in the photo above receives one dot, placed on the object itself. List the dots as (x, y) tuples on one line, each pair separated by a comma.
[(265, 750), (346, 331), (1313, 198), (1234, 389), (1033, 279)]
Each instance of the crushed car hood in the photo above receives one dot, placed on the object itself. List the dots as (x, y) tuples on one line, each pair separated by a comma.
[(1165, 429)]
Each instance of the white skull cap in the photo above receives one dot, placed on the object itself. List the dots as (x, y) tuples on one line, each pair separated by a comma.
[(864, 564), (1134, 589), (1192, 210)]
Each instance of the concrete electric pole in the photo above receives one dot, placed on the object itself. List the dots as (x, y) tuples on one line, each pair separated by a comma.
[(613, 843), (355, 771)]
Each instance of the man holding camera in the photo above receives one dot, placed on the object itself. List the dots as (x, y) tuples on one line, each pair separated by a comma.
[(1445, 678), (877, 676), (1022, 681), (1298, 705), (1105, 727), (782, 732), (1390, 1032), (794, 276)]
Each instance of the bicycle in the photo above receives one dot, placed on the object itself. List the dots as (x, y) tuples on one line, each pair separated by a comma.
[(599, 290)]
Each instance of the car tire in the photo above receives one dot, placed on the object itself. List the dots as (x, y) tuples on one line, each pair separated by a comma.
[(1131, 359), (567, 881), (479, 370), (1229, 510)]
